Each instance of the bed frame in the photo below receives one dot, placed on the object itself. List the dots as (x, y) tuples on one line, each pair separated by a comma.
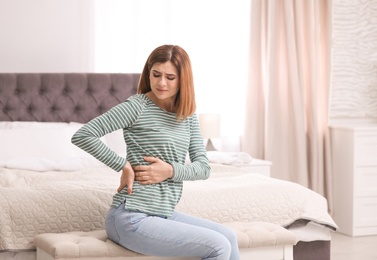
[(69, 97), (79, 97)]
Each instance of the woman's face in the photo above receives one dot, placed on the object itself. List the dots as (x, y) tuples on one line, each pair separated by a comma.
[(164, 81)]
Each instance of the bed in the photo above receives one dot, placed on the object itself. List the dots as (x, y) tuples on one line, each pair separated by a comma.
[(49, 185)]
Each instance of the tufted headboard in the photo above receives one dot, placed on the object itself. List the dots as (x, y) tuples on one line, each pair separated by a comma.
[(62, 97)]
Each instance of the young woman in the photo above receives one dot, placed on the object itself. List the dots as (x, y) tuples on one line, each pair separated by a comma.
[(160, 126)]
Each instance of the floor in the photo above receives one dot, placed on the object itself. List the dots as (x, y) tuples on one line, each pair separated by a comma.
[(353, 248)]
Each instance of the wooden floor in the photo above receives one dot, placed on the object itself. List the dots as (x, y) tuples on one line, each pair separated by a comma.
[(353, 248)]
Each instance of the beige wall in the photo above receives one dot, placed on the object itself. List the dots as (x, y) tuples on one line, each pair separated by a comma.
[(46, 36), (354, 68)]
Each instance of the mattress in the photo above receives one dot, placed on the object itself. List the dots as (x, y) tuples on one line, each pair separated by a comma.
[(33, 202)]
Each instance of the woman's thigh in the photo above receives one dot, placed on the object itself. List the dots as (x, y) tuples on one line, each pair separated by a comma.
[(200, 222), (158, 236)]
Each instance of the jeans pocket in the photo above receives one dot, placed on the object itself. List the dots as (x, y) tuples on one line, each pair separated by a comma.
[(134, 219)]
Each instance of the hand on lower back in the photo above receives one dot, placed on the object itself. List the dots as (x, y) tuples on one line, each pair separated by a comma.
[(127, 178)]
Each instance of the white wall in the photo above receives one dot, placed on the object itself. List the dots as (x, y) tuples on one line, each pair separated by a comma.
[(354, 68), (118, 35), (58, 36), (46, 36)]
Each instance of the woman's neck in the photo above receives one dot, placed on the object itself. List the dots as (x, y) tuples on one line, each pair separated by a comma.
[(167, 105)]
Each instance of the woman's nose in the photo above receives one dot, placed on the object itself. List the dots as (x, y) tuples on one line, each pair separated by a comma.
[(162, 81)]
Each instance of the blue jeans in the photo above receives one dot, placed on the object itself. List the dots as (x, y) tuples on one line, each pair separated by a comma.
[(179, 235)]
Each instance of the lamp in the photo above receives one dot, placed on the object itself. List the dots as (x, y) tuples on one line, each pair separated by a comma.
[(210, 128)]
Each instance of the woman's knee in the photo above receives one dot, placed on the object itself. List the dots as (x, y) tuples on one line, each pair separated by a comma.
[(232, 236), (232, 244), (229, 233), (221, 249), (233, 240)]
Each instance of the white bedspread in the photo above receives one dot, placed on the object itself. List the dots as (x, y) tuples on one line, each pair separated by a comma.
[(234, 195), (38, 202)]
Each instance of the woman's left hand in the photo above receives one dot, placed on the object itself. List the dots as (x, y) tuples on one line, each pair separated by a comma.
[(156, 172)]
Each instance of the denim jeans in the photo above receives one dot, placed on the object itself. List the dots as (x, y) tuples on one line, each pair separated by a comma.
[(179, 235)]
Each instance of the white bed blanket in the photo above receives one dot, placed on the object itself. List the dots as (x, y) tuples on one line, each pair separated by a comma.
[(233, 194), (32, 202), (38, 202)]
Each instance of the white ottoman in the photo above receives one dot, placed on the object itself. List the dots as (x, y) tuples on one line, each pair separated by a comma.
[(263, 240), (256, 240)]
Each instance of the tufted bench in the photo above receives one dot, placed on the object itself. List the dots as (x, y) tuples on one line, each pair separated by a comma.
[(257, 240)]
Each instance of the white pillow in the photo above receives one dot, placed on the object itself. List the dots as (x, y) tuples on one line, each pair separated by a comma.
[(115, 141), (34, 124), (48, 143), (229, 158), (42, 147)]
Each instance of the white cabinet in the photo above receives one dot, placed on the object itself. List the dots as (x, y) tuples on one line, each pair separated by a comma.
[(354, 154)]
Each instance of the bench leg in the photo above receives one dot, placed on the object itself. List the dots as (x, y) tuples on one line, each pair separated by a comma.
[(288, 252)]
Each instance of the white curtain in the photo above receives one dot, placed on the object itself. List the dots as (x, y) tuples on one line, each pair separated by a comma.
[(289, 86)]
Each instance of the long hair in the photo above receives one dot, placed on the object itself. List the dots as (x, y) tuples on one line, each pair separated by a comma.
[(185, 99)]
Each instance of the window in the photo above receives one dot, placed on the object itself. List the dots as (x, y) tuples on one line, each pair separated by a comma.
[(215, 33)]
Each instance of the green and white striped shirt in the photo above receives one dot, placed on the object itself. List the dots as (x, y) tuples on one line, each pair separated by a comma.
[(148, 130)]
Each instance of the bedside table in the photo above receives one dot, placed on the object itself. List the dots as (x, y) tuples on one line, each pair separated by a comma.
[(241, 160), (257, 166)]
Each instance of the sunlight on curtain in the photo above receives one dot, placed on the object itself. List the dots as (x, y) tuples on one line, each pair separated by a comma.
[(290, 56), (215, 33)]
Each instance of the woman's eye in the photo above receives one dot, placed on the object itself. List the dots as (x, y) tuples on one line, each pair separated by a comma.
[(169, 78), (155, 75)]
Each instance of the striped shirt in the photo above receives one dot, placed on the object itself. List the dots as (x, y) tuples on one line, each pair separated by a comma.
[(148, 130)]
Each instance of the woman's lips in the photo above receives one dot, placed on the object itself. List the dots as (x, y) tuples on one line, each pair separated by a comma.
[(162, 90)]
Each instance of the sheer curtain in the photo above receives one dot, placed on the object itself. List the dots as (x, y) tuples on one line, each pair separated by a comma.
[(289, 86)]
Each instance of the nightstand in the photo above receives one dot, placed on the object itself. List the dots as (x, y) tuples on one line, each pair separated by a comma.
[(257, 166)]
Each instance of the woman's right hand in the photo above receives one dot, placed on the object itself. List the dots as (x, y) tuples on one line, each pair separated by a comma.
[(127, 178)]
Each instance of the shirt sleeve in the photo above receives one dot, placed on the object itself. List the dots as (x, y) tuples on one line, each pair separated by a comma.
[(119, 117), (199, 169)]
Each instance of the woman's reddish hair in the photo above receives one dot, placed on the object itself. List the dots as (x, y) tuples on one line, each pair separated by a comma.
[(185, 101)]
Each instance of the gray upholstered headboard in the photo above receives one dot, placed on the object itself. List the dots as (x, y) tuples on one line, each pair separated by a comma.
[(62, 97)]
